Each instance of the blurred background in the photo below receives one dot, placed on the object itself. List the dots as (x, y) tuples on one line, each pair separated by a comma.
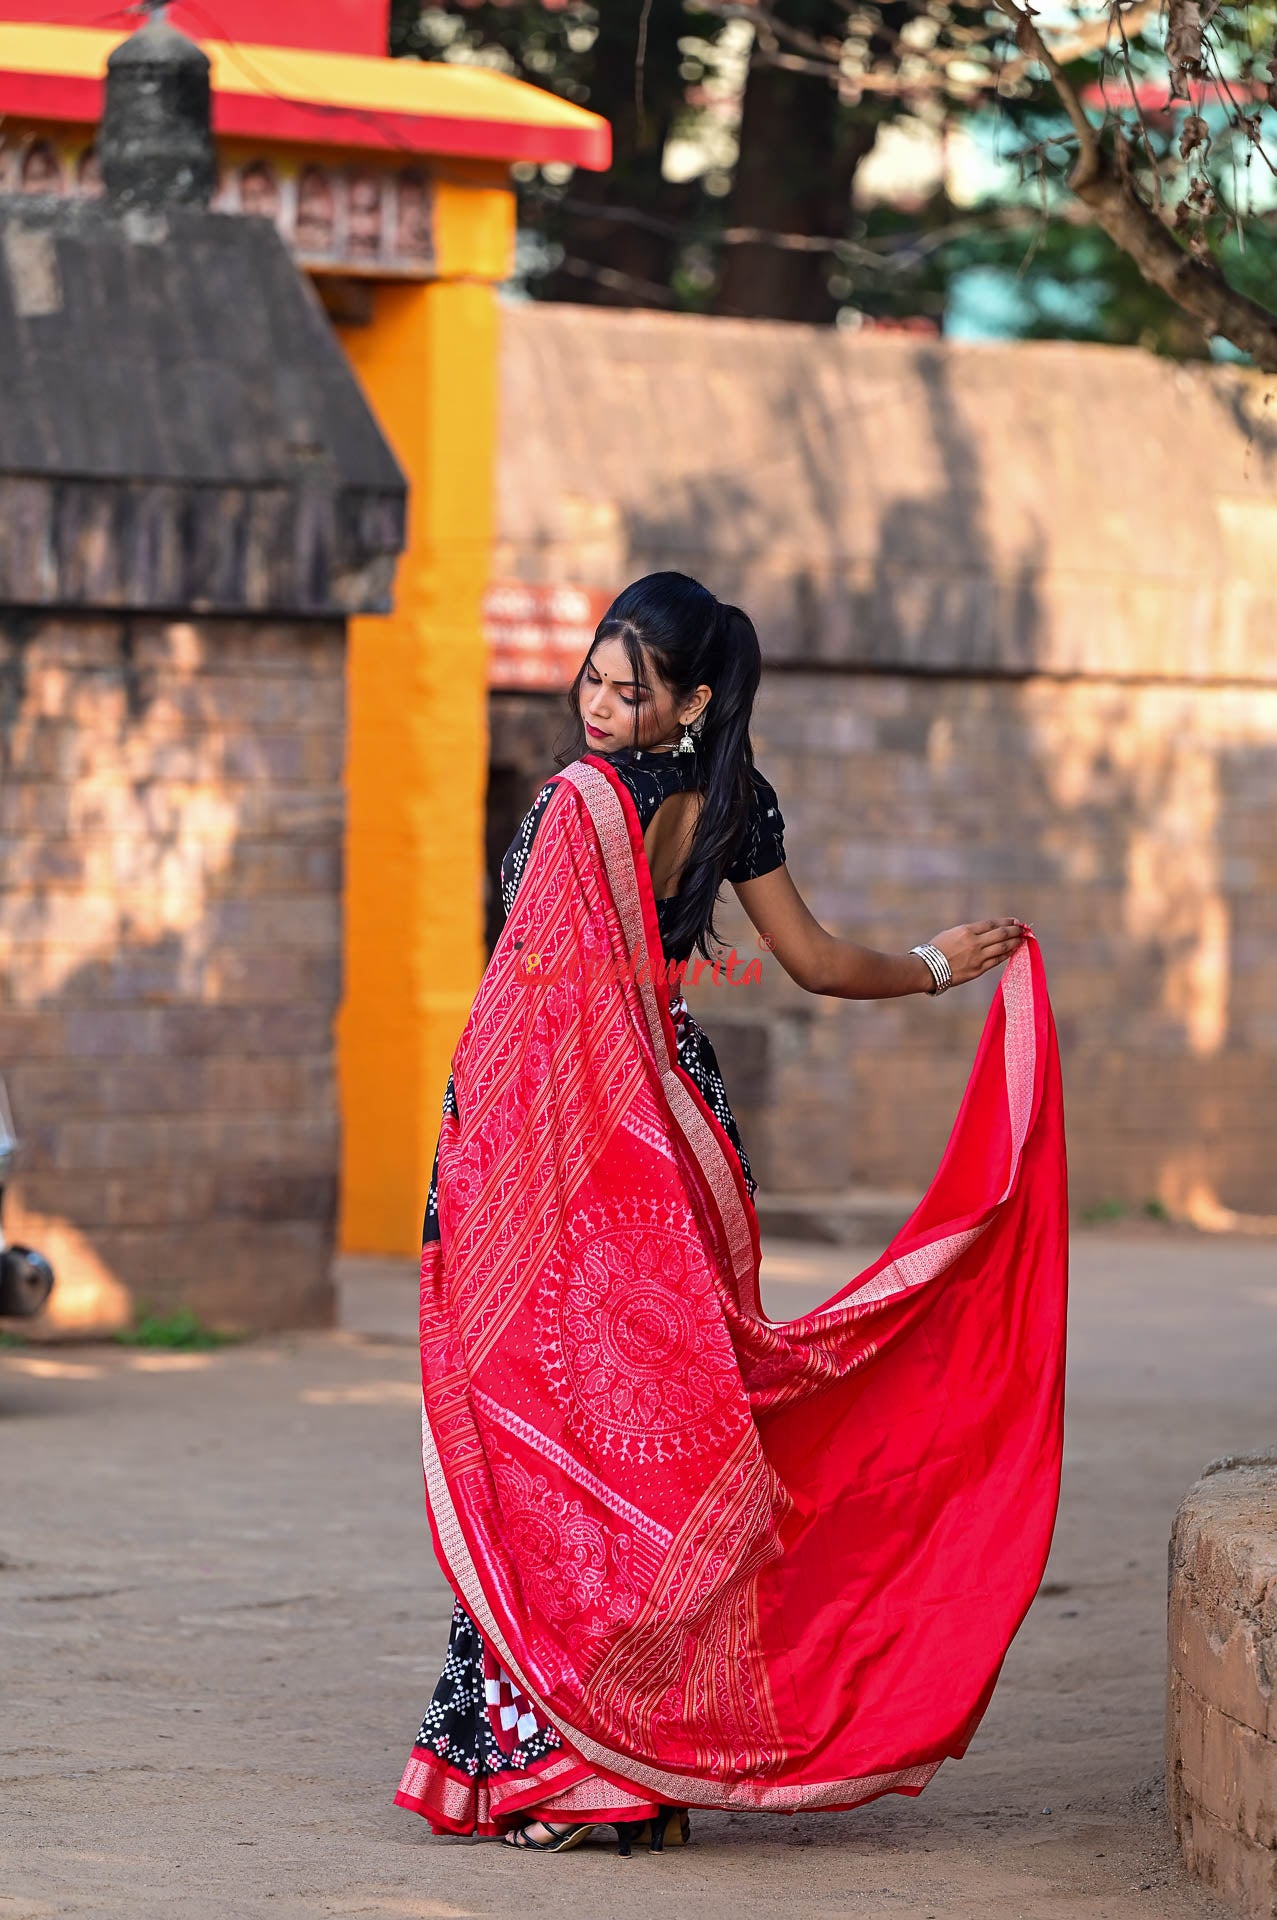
[(337, 415), (352, 357)]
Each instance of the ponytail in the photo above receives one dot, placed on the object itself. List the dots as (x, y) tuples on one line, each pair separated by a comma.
[(725, 766)]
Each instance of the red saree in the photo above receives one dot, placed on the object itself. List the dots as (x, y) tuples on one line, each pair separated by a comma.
[(735, 1562)]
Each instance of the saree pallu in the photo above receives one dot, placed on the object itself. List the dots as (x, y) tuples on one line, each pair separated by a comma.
[(733, 1562)]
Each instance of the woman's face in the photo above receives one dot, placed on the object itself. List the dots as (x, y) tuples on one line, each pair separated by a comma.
[(611, 703)]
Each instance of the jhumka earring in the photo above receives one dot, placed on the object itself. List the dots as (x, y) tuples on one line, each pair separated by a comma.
[(688, 743)]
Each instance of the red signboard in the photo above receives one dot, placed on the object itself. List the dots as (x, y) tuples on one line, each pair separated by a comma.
[(539, 635)]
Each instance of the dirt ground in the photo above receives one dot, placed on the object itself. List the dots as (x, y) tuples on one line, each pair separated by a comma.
[(220, 1621)]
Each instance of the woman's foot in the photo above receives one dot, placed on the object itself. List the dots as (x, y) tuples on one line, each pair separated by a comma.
[(672, 1828), (545, 1836)]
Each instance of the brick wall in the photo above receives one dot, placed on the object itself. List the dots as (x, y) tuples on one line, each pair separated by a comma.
[(170, 907), (1018, 610), (1130, 823)]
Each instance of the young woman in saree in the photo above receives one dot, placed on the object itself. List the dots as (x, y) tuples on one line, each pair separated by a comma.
[(702, 1558)]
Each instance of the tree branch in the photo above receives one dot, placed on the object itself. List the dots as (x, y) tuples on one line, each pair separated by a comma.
[(1102, 185)]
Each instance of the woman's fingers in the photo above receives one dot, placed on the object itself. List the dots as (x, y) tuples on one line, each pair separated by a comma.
[(992, 942), (972, 949)]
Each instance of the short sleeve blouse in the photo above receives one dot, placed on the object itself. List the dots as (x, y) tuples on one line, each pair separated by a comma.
[(649, 779), (762, 847)]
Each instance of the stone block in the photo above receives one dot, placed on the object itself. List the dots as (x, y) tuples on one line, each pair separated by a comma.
[(1221, 1723), (244, 976), (100, 1032), (301, 1028), (278, 868), (250, 1193), (42, 1090), (266, 757), (266, 1275), (295, 921), (31, 1034), (1224, 1766), (1244, 1876)]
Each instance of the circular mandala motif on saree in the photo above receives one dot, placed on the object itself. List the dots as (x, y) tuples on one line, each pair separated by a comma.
[(560, 1551), (632, 1326)]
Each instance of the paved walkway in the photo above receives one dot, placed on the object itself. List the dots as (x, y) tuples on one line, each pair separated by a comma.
[(220, 1620)]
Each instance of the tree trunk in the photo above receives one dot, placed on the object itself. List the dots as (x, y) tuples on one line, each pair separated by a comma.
[(622, 262), (799, 151)]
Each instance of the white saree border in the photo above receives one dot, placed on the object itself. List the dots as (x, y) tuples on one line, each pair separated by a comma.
[(912, 1269)]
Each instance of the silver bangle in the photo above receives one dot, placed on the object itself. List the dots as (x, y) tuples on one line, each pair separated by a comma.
[(940, 970)]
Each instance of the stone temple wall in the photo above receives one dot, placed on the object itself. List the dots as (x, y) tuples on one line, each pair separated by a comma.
[(1020, 624), (1130, 823), (170, 953)]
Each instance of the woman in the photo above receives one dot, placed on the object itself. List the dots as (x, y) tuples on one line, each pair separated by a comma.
[(702, 1558)]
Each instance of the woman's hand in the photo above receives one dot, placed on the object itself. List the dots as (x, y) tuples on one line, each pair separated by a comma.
[(972, 950)]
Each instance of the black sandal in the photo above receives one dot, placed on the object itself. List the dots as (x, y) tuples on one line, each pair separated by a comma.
[(672, 1827), (562, 1839)]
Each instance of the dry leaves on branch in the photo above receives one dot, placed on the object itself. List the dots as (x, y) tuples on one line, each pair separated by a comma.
[(1195, 134), (1184, 45)]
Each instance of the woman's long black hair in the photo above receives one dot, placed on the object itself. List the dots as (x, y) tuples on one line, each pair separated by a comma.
[(672, 623)]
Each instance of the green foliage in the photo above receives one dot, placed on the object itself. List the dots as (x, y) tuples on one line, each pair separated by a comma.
[(1042, 277), (180, 1330), (1104, 1211)]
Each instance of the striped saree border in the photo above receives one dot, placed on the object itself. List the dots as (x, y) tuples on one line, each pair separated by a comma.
[(616, 825)]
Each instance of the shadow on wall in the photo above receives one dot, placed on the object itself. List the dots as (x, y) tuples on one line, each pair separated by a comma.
[(1160, 826), (940, 599), (170, 919), (882, 801), (931, 772)]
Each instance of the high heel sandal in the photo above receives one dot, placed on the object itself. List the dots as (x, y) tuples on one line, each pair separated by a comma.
[(562, 1839), (672, 1827)]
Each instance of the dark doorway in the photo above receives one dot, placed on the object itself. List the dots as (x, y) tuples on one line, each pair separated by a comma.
[(524, 729)]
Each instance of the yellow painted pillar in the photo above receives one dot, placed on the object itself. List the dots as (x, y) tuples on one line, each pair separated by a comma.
[(417, 755)]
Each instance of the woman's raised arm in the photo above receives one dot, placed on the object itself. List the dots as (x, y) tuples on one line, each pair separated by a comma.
[(822, 964)]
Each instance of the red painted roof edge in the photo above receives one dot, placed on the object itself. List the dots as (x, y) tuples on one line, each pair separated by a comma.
[(58, 97)]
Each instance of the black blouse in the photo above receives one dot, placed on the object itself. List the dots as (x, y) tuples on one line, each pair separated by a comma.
[(650, 778)]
